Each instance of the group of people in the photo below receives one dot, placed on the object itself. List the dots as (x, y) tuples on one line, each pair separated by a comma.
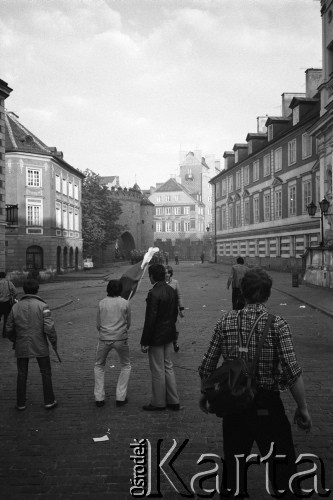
[(160, 333), (30, 324)]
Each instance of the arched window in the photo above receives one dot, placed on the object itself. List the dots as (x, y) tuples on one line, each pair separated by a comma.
[(34, 257)]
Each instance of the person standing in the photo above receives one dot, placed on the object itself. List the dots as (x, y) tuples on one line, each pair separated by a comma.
[(30, 326), (176, 254), (175, 285), (158, 334), (265, 422), (113, 322), (237, 273), (202, 257), (8, 294)]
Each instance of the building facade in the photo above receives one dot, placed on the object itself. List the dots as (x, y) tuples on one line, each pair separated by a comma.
[(4, 93), (179, 220), (260, 198), (43, 199)]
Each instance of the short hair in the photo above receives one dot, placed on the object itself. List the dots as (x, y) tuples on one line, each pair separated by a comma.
[(2, 274), (169, 269), (31, 287), (256, 286), (114, 288), (240, 260), (157, 272)]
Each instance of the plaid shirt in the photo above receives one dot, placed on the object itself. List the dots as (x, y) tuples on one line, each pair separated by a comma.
[(277, 366)]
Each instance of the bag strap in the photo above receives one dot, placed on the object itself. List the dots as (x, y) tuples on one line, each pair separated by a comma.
[(241, 347), (261, 342)]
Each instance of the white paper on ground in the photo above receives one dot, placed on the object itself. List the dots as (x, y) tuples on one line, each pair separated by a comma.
[(103, 438)]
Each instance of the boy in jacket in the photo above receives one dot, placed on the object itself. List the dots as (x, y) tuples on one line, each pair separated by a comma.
[(29, 326)]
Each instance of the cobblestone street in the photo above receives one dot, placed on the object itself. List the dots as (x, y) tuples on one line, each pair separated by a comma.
[(52, 455)]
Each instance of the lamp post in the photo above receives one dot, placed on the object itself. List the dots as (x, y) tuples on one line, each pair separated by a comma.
[(312, 208)]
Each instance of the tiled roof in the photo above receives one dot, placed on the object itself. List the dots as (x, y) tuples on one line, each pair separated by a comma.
[(19, 139), (170, 185)]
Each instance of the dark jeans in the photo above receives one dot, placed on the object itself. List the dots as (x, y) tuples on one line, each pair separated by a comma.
[(5, 308), (22, 375), (265, 423), (238, 301)]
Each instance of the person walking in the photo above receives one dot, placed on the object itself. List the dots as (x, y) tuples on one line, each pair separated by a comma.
[(237, 272), (175, 285), (30, 326), (159, 332), (176, 254), (8, 294), (265, 422), (113, 322), (202, 257)]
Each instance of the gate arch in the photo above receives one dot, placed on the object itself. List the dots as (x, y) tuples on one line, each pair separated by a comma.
[(126, 243)]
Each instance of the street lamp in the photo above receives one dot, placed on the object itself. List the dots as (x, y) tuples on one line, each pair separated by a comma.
[(312, 208)]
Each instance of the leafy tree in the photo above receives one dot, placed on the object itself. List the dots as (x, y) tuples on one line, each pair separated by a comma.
[(100, 213)]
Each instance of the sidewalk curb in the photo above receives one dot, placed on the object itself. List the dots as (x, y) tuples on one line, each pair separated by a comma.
[(319, 308)]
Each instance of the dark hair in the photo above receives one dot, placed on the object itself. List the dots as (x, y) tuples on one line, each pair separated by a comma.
[(114, 288), (256, 286), (157, 271), (169, 269), (240, 260), (31, 287), (2, 274)]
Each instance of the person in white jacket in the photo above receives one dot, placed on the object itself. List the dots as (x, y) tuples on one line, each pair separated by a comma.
[(113, 322)]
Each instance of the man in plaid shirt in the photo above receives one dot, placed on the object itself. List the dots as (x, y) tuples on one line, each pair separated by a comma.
[(265, 422)]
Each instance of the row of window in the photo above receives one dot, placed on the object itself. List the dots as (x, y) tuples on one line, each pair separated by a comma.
[(67, 187), (178, 226), (272, 162), (265, 208), (34, 179), (174, 210), (167, 197), (66, 217)]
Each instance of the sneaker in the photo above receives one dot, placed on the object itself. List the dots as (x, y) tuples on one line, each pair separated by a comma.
[(20, 408), (176, 346), (99, 404), (51, 405), (122, 403)]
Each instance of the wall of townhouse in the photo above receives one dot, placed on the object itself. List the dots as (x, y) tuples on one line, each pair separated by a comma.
[(17, 245)]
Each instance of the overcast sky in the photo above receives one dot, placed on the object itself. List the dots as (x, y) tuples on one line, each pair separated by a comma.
[(121, 86)]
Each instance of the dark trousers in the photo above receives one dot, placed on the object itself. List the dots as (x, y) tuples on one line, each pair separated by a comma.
[(5, 308), (265, 423), (22, 375), (238, 301)]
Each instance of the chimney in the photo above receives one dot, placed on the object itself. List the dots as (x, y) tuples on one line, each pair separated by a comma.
[(261, 127), (313, 78)]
